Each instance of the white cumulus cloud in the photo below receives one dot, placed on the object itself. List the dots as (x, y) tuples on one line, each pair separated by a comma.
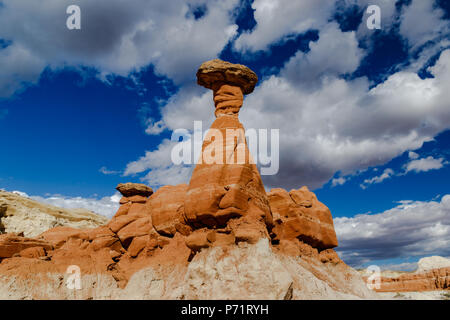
[(421, 21), (413, 228), (116, 37), (338, 181), (425, 164), (160, 166), (413, 155), (387, 173), (279, 18), (106, 206)]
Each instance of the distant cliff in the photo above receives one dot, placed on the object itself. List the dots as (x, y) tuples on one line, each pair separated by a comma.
[(432, 274), (22, 215)]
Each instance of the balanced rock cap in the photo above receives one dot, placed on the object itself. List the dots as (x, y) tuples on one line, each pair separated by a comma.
[(130, 189), (218, 70)]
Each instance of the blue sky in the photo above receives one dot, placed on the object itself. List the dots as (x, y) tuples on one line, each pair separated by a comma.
[(363, 114)]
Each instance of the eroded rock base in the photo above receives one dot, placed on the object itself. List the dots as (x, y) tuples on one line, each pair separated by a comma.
[(247, 271)]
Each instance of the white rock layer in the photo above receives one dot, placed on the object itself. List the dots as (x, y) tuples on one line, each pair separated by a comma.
[(19, 214), (433, 262)]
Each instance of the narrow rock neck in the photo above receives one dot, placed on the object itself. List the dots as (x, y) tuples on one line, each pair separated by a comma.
[(228, 100)]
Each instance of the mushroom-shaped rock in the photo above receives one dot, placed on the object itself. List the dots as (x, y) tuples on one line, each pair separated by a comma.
[(134, 189), (228, 187), (216, 71)]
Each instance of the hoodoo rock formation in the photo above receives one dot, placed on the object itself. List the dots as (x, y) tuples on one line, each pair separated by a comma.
[(219, 237), (226, 193)]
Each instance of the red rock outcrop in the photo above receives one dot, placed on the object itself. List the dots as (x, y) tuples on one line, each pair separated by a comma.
[(299, 215), (11, 244), (167, 210), (435, 279)]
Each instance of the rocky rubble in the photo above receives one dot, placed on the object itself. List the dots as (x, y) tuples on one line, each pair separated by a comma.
[(219, 237)]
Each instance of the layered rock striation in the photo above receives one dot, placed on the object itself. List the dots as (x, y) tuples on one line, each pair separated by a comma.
[(432, 274), (431, 280), (299, 216)]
